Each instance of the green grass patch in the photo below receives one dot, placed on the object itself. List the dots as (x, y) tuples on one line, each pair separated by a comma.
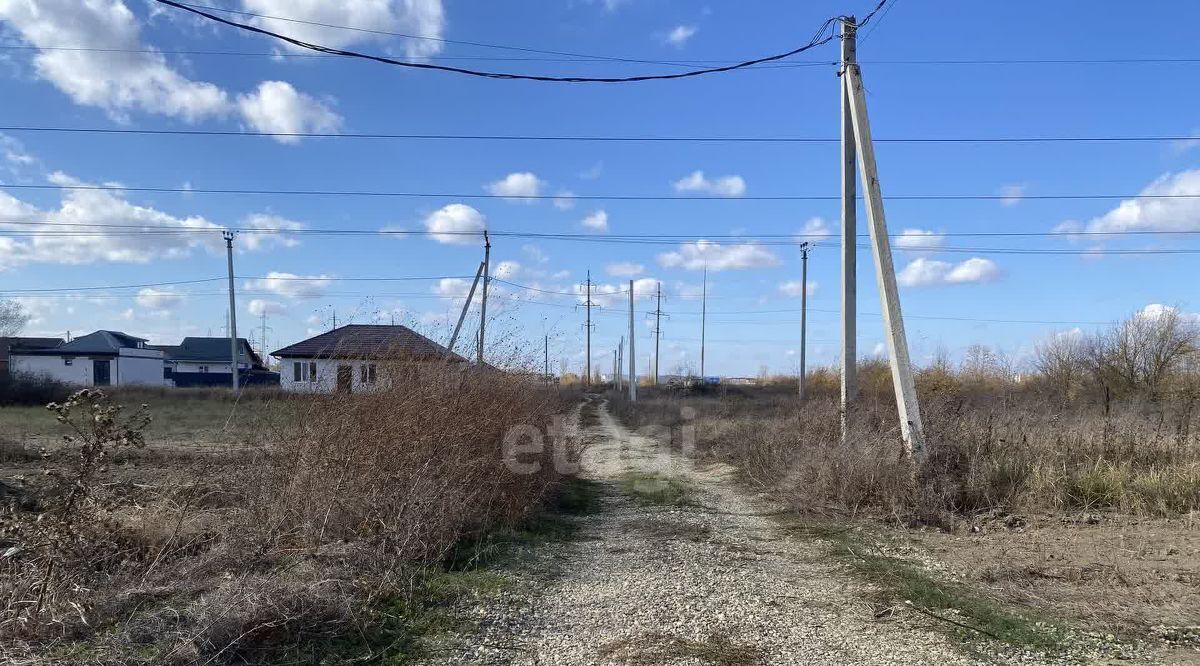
[(963, 611), (653, 489)]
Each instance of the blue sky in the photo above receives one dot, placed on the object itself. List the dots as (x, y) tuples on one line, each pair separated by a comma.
[(951, 283)]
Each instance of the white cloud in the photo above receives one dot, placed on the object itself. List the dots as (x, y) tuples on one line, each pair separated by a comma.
[(159, 299), (1156, 311), (1012, 194), (679, 35), (1180, 214), (421, 18), (879, 350), (564, 200), (535, 253), (96, 207), (457, 224), (597, 221), (506, 270), (929, 272), (278, 107), (696, 256), (117, 82), (723, 186), (14, 152), (517, 186), (593, 172), (815, 230), (253, 241), (689, 292), (919, 240), (290, 285), (453, 288), (123, 75), (259, 307), (607, 295), (624, 269), (792, 288)]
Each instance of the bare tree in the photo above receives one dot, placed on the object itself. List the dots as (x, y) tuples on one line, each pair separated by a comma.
[(1142, 353), (1063, 361), (12, 318)]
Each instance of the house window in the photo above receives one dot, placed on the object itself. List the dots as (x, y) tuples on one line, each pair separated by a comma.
[(68, 361), (366, 373), (204, 368), (304, 371)]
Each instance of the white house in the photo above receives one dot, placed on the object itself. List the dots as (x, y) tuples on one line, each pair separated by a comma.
[(351, 358), (102, 358)]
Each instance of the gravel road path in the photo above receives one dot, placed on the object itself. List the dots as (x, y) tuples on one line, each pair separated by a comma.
[(713, 582)]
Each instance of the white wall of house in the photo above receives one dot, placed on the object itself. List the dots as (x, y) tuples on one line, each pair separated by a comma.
[(78, 371), (141, 367), (325, 380)]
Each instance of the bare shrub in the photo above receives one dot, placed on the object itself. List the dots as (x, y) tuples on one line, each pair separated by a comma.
[(344, 506)]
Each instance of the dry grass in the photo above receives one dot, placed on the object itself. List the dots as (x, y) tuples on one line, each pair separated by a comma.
[(1080, 505), (323, 536)]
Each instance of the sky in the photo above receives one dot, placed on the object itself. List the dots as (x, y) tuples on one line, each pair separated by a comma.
[(931, 69)]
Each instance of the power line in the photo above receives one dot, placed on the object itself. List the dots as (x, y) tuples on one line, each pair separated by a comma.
[(593, 59), (589, 197), (1159, 138), (820, 38)]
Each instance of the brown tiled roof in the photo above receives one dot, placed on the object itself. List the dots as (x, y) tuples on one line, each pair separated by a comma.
[(369, 342)]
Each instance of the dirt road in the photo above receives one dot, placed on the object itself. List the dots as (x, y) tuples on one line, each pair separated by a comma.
[(714, 581)]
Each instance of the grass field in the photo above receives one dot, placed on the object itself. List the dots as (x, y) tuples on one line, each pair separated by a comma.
[(1087, 511), (293, 529)]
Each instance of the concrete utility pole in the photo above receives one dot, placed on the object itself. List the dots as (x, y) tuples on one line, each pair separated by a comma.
[(703, 317), (885, 273), (803, 313), (849, 387), (632, 352), (466, 306), (233, 341), (620, 362), (546, 351), (487, 258), (587, 304), (657, 331)]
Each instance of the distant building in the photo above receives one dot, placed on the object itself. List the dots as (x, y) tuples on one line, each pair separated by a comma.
[(350, 358), (205, 362), (9, 344), (103, 358), (740, 381)]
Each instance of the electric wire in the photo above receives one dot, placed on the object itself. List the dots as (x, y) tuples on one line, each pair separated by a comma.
[(584, 138), (823, 36), (586, 197)]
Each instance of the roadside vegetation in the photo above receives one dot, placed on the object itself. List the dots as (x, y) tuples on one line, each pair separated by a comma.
[(1070, 485), (324, 529)]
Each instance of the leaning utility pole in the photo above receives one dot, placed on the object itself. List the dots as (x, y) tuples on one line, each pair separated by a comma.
[(803, 312), (487, 258), (233, 341), (703, 317), (632, 354), (885, 272), (849, 236), (466, 306)]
